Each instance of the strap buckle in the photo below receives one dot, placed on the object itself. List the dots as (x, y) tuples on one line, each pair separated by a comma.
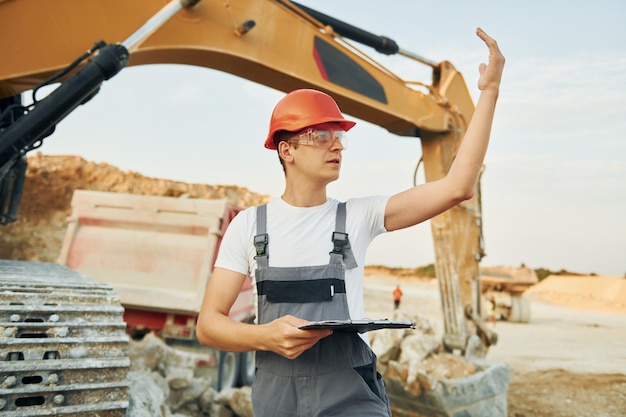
[(260, 244), (340, 240)]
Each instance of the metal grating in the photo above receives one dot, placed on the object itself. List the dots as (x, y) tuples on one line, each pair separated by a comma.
[(63, 343)]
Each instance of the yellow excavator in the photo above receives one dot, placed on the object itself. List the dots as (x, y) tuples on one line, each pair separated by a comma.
[(76, 45)]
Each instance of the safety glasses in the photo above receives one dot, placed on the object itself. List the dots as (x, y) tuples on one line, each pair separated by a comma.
[(320, 137)]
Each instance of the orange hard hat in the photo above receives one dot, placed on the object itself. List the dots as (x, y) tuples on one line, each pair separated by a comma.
[(304, 108)]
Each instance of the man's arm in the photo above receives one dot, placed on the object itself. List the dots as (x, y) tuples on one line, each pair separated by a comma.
[(425, 201), (215, 328)]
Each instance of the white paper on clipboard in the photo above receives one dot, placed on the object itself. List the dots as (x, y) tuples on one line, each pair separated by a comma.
[(360, 326)]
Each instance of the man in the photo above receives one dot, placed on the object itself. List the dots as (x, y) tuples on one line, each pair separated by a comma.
[(305, 254), (397, 296)]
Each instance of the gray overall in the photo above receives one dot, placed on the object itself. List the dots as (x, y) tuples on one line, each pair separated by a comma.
[(337, 376)]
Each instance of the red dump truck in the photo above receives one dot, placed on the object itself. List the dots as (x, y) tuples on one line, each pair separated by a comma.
[(158, 254)]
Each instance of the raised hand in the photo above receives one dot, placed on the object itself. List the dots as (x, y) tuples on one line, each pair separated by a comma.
[(490, 73)]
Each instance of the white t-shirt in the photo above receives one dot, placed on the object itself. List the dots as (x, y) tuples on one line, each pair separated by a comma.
[(301, 236)]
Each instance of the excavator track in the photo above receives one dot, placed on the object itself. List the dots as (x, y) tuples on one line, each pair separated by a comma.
[(63, 343)]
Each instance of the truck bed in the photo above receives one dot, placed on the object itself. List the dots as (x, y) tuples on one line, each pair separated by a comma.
[(157, 252)]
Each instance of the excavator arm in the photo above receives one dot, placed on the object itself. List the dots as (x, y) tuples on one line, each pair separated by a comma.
[(285, 46), (286, 49)]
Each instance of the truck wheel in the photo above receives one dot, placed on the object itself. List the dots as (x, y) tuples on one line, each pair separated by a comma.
[(228, 370), (247, 368)]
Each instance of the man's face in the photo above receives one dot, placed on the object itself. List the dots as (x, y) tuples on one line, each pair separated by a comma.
[(318, 150)]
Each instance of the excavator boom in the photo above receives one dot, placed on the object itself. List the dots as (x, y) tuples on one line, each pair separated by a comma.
[(286, 49)]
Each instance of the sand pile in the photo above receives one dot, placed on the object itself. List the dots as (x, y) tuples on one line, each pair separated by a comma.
[(606, 294)]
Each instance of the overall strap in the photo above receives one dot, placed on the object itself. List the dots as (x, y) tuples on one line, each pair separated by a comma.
[(341, 244), (261, 238)]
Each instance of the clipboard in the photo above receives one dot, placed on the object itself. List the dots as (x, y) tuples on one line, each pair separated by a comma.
[(359, 326)]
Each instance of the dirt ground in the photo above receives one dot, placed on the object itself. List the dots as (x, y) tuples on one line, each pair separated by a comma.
[(566, 362)]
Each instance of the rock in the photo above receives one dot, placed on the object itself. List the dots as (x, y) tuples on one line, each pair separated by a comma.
[(237, 399), (145, 397), (147, 353), (386, 344), (188, 397), (163, 385)]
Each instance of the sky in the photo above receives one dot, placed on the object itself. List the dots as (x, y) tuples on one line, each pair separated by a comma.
[(554, 188)]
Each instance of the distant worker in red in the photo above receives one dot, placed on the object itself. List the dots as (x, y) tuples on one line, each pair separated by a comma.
[(397, 296), (305, 254)]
